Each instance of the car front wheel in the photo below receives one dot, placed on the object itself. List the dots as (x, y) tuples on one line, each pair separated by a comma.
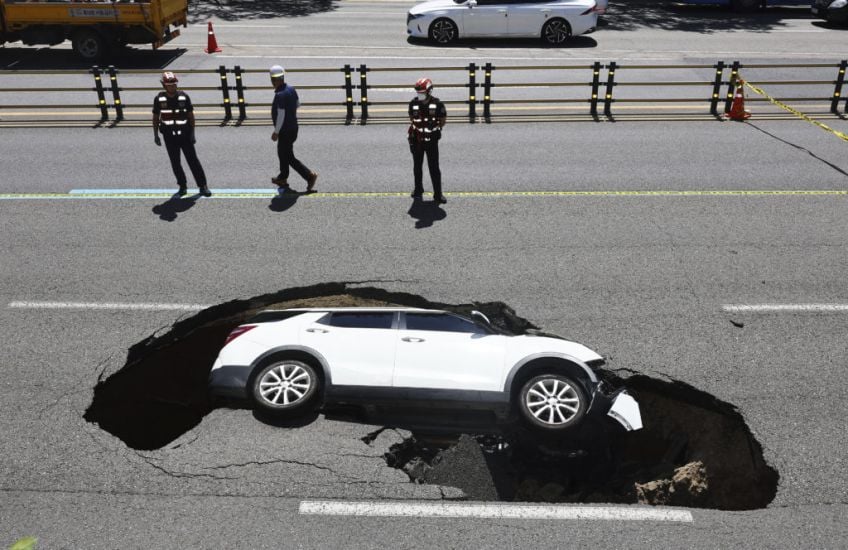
[(285, 386), (552, 402), (556, 32), (443, 31)]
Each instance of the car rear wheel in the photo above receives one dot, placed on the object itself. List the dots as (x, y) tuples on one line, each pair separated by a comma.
[(556, 32), (443, 31), (88, 44), (285, 386), (552, 402)]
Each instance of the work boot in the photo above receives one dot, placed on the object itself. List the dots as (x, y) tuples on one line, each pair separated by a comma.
[(205, 191), (310, 182), (280, 182), (182, 190)]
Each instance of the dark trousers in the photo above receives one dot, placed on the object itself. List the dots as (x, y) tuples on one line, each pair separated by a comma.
[(177, 143), (285, 150), (431, 149)]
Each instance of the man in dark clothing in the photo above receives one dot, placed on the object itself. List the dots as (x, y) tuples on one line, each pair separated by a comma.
[(427, 117), (173, 115), (284, 116)]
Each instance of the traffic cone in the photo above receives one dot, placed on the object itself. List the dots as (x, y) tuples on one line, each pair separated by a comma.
[(737, 109), (212, 44)]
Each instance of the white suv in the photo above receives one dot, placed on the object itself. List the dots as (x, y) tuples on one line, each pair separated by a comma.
[(290, 361)]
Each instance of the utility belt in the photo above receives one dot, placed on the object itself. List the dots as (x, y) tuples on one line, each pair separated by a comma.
[(423, 135), (175, 130)]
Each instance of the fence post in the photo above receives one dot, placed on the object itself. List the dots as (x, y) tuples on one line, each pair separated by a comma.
[(348, 86), (240, 93), (363, 92), (596, 81), (719, 67), (610, 84), (734, 76), (837, 92), (116, 94), (472, 91), (487, 91), (225, 90), (101, 94)]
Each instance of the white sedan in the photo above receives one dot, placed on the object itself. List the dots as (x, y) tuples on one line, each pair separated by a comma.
[(444, 21), (291, 361)]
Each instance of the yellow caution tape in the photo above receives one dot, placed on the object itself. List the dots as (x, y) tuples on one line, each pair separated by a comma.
[(795, 112)]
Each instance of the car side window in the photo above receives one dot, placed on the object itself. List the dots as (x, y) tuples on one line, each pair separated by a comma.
[(442, 323), (361, 319), (491, 2)]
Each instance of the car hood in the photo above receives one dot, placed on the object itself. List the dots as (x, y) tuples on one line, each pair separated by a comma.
[(529, 344), (431, 5)]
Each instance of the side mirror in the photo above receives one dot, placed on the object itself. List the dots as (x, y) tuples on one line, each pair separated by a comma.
[(476, 314), (471, 4)]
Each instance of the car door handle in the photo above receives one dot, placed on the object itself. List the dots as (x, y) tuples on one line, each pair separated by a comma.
[(502, 11), (410, 339), (318, 330)]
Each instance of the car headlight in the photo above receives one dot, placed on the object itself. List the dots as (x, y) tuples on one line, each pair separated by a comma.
[(411, 16), (838, 4)]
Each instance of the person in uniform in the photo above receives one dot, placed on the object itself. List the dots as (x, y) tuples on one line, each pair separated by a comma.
[(284, 117), (173, 115), (427, 117)]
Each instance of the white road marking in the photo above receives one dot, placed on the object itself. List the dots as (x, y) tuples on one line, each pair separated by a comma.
[(107, 305), (791, 308), (496, 511)]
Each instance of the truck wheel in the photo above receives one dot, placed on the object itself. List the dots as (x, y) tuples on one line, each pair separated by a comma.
[(88, 44)]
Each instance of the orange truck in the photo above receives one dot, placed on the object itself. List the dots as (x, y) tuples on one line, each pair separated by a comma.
[(94, 28)]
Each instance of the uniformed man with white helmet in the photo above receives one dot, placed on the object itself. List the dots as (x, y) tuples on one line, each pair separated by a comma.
[(427, 117), (173, 115), (284, 117)]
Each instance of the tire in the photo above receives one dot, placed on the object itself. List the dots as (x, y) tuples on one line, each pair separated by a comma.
[(89, 45), (443, 31), (285, 387), (552, 403), (556, 32)]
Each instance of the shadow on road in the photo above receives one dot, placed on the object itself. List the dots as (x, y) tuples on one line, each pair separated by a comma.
[(235, 10), (23, 58), (575, 42), (633, 15), (426, 213), (284, 201), (171, 209)]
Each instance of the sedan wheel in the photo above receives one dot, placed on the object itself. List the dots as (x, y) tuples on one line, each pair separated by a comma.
[(552, 402), (285, 386), (556, 31), (443, 31)]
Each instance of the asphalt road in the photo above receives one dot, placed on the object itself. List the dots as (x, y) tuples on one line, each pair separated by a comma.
[(649, 231)]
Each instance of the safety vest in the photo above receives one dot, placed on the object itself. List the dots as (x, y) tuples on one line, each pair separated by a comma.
[(173, 121), (425, 119)]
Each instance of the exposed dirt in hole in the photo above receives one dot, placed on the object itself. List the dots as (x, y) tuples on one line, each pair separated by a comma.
[(695, 450)]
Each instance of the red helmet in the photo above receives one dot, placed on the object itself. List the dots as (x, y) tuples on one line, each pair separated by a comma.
[(169, 78), (424, 85)]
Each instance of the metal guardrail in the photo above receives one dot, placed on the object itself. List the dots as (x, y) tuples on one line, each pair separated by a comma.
[(603, 84)]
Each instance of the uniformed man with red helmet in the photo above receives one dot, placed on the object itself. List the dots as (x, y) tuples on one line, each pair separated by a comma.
[(427, 117), (173, 115)]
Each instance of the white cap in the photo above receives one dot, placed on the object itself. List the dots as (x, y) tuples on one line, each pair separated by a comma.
[(277, 71)]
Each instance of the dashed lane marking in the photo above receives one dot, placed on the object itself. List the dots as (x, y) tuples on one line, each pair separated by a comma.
[(97, 194), (108, 305), (493, 511), (785, 308)]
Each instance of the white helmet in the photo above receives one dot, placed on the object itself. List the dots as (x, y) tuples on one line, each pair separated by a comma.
[(277, 71)]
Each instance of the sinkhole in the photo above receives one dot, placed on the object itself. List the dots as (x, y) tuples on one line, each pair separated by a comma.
[(695, 450)]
